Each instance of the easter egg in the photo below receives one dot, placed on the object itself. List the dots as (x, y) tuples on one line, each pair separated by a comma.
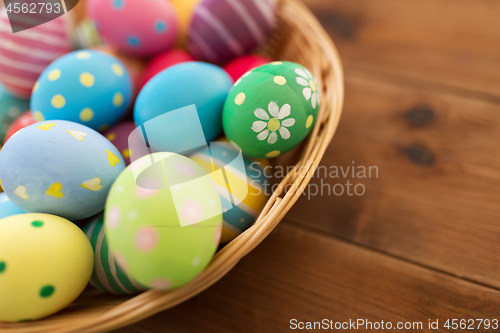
[(119, 136), (7, 208), (221, 30), (185, 10), (165, 106), (163, 220), (239, 66), (107, 275), (246, 180), (11, 108), (87, 87), (86, 35), (134, 66), (25, 54), (165, 61), (136, 27), (59, 167), (271, 109), (45, 263), (24, 120)]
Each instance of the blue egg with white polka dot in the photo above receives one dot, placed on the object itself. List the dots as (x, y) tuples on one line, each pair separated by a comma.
[(11, 108), (7, 207), (87, 87)]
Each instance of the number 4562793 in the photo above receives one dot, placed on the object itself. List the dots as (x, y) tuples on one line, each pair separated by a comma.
[(455, 324), (33, 8)]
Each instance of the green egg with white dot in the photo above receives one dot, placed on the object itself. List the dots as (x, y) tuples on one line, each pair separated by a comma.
[(87, 86), (163, 220), (45, 264), (271, 109)]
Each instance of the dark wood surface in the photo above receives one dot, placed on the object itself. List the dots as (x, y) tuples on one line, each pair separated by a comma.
[(423, 242)]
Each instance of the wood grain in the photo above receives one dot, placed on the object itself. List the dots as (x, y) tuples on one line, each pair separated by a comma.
[(300, 274), (435, 201), (449, 42)]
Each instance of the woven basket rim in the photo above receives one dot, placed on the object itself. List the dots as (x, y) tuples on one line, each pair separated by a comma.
[(327, 68)]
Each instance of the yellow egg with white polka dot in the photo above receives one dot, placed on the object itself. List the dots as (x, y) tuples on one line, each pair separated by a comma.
[(89, 87), (45, 263)]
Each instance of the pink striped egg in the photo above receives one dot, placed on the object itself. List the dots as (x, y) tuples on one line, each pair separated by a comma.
[(25, 54), (221, 30)]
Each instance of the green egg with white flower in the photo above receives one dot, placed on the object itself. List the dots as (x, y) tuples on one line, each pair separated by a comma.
[(271, 109), (163, 220)]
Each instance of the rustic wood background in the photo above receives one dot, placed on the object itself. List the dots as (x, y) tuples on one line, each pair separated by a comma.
[(423, 105)]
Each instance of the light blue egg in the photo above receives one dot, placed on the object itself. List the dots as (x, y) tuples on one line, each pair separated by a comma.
[(11, 107), (7, 207), (87, 87), (59, 167), (187, 85)]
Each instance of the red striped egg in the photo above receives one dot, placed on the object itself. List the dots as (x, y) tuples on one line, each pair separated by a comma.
[(25, 54), (221, 30)]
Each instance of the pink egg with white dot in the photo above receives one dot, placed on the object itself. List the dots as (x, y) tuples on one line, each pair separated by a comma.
[(136, 27)]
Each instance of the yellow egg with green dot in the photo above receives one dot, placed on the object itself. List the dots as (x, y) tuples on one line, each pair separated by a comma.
[(45, 263)]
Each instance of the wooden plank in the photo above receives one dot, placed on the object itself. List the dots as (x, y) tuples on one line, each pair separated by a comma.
[(299, 274), (451, 42), (436, 199)]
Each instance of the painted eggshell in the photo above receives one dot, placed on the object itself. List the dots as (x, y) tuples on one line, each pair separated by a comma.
[(136, 27), (87, 87), (11, 108), (185, 10), (242, 65), (221, 30), (165, 61), (7, 208), (119, 136), (159, 106), (246, 180), (25, 54), (86, 35), (272, 109), (107, 275), (164, 227), (23, 121), (134, 66), (59, 167), (45, 263)]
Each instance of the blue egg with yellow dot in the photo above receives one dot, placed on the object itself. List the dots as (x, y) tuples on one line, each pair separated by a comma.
[(181, 107), (7, 207), (246, 179), (87, 87), (11, 107), (59, 167)]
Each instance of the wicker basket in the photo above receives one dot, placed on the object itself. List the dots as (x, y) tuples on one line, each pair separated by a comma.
[(299, 38)]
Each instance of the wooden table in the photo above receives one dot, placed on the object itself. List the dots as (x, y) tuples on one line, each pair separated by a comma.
[(423, 242)]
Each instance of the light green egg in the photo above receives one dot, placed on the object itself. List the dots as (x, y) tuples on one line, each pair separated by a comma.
[(163, 220)]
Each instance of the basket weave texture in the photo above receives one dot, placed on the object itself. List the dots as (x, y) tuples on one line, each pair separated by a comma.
[(299, 37)]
